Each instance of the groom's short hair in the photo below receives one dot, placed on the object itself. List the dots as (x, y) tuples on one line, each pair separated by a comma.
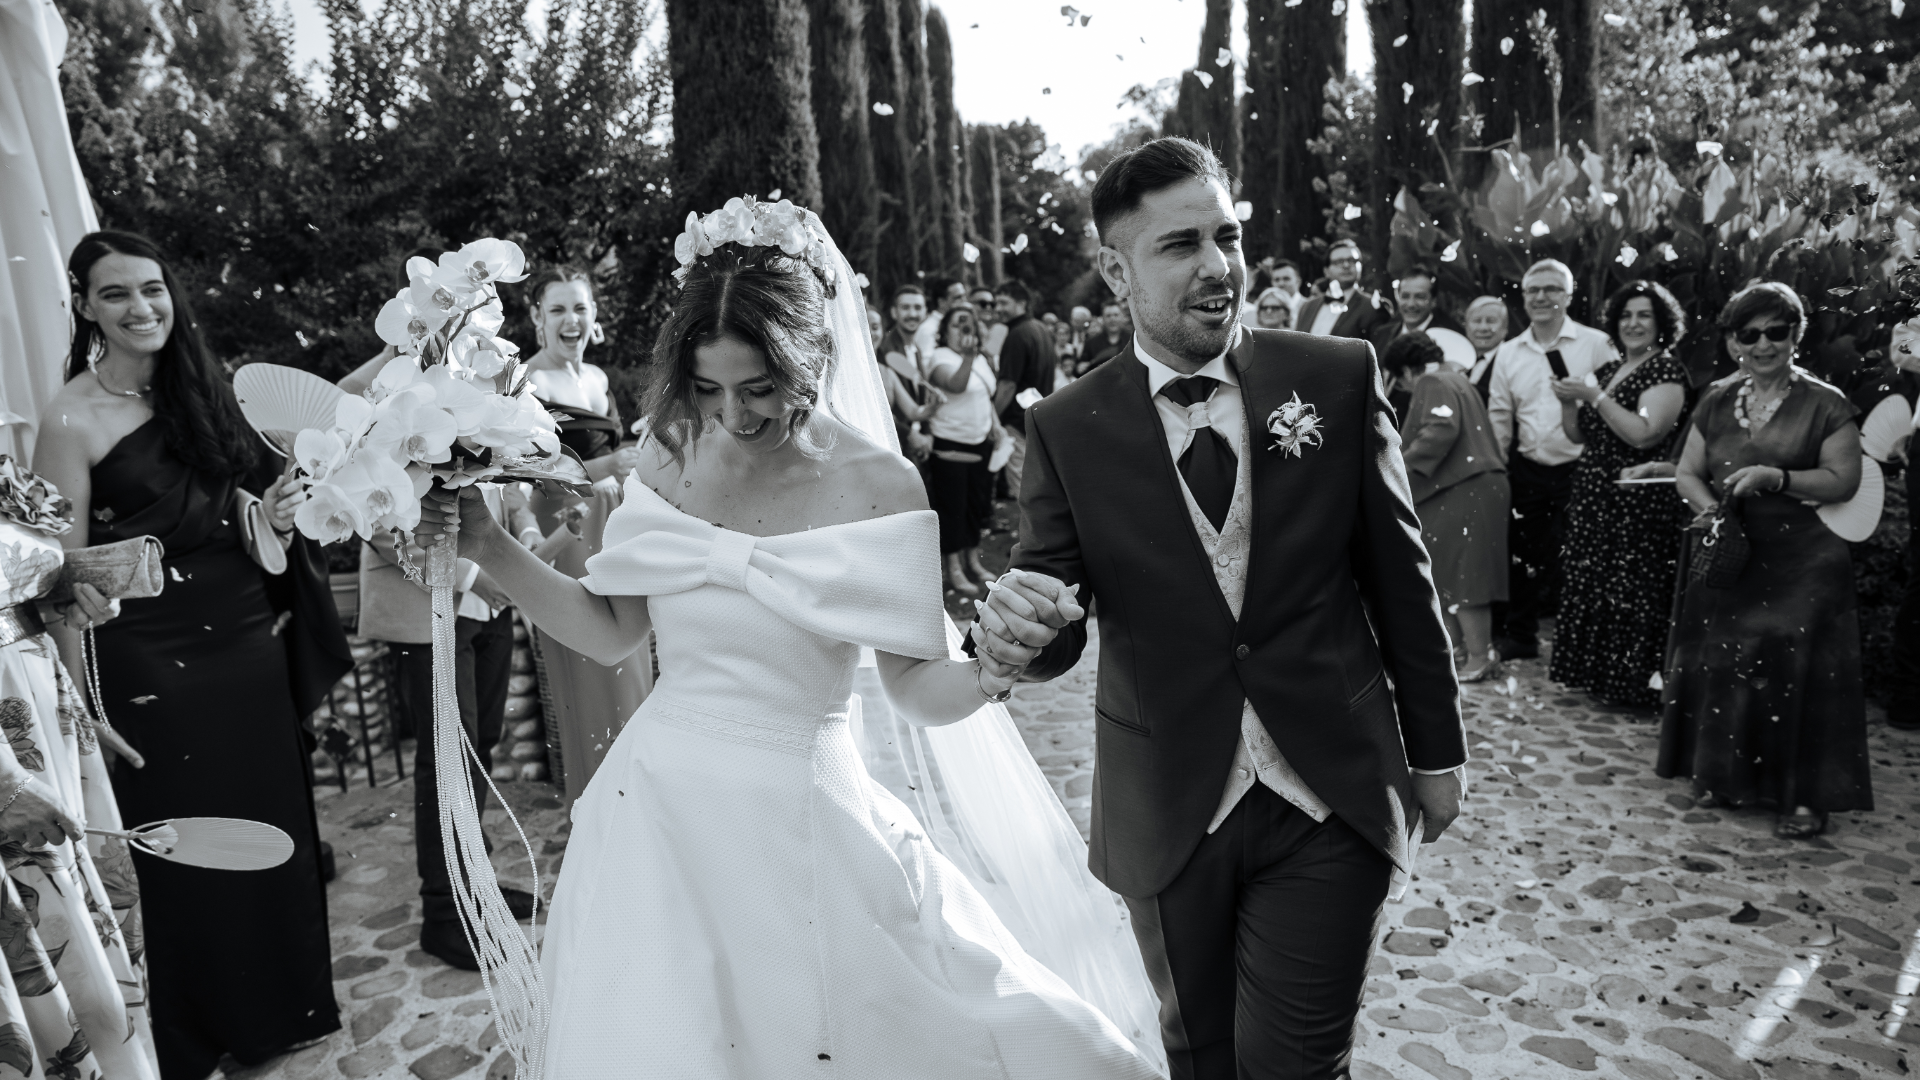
[(1135, 174)]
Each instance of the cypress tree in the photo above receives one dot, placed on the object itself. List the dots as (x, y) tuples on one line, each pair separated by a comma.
[(1517, 94), (742, 102), (946, 143), (1207, 110), (987, 205), (969, 214), (849, 197), (892, 150), (1416, 70), (922, 170), (1294, 50)]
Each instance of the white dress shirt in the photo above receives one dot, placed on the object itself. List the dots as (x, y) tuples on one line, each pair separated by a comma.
[(467, 604), (1323, 320), (1521, 391)]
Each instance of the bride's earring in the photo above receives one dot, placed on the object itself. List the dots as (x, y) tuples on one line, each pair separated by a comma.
[(96, 348), (597, 335)]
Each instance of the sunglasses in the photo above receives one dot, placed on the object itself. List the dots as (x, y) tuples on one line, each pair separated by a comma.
[(1750, 335), (1271, 307)]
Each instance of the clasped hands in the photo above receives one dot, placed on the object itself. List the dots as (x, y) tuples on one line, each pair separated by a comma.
[(1022, 614)]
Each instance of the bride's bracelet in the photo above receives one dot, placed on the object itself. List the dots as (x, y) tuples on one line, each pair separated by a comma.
[(979, 683), (22, 786)]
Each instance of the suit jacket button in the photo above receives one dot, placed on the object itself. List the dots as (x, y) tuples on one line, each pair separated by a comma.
[(1241, 652)]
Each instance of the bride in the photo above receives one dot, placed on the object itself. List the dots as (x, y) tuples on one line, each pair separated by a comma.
[(740, 898)]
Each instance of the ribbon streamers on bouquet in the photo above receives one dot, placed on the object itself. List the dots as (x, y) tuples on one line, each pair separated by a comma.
[(453, 408)]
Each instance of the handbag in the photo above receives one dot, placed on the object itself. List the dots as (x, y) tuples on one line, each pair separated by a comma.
[(268, 548), (1720, 549), (127, 570)]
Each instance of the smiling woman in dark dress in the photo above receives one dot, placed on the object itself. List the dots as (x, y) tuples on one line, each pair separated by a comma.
[(207, 681)]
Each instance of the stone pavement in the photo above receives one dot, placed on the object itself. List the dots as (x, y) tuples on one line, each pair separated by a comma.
[(1580, 918)]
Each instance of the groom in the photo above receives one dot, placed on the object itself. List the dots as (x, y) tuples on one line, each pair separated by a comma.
[(1276, 702)]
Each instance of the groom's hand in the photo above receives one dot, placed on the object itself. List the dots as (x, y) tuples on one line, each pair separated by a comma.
[(1439, 799), (1036, 598)]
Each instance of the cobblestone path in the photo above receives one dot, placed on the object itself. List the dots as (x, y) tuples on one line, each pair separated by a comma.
[(1580, 918)]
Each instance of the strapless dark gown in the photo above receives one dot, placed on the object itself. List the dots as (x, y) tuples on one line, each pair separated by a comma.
[(200, 682)]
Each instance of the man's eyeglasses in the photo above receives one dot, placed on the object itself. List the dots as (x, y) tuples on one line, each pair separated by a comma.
[(1544, 290), (1750, 335), (1345, 260)]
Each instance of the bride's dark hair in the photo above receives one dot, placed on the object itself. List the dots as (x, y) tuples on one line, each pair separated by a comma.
[(761, 296)]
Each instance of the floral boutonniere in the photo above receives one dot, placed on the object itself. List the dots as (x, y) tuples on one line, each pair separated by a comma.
[(1294, 425)]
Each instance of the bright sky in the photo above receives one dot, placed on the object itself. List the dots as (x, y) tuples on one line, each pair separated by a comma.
[(1019, 59)]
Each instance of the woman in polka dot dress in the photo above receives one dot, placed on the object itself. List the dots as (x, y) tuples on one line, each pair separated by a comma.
[(1617, 569)]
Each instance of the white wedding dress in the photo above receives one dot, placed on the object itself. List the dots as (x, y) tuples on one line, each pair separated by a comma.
[(739, 898)]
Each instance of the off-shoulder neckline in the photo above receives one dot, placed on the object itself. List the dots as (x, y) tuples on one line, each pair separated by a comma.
[(662, 500)]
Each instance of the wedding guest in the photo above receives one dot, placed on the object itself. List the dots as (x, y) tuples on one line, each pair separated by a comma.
[(1258, 282), (1623, 541), (1903, 697), (1107, 340), (208, 681), (959, 485), (1540, 457), (876, 327), (1459, 492), (74, 990), (1082, 319), (989, 317), (1026, 363), (1065, 355), (1763, 701), (907, 389), (1272, 311), (1486, 331), (1288, 279), (943, 294), (1341, 306), (1416, 296), (585, 703)]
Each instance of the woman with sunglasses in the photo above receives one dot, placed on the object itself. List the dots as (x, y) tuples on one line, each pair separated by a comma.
[(1272, 311), (1763, 700)]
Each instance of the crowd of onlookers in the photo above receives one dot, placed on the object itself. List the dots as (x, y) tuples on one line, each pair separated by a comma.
[(1673, 531)]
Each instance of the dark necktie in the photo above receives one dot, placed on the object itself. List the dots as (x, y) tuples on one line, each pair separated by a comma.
[(1209, 463)]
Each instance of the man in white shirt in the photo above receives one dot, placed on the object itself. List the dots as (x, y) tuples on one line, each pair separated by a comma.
[(1540, 457)]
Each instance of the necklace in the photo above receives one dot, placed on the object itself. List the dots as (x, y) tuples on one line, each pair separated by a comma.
[(1753, 418), (102, 380)]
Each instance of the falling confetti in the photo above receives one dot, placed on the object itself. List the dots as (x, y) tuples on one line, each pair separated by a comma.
[(1046, 89), (1406, 92), (1627, 255), (1472, 78), (1351, 212), (144, 698), (1708, 148), (970, 253), (1442, 411), (1243, 210), (1506, 46), (881, 108), (1019, 244), (1205, 78), (1451, 252), (1399, 41), (1539, 228), (1223, 58)]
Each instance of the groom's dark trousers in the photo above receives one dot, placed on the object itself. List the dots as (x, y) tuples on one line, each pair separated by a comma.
[(1256, 934)]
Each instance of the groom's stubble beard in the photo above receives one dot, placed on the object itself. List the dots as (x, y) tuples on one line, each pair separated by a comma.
[(1167, 327)]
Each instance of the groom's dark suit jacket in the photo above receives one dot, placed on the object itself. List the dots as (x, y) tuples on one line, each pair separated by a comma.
[(1351, 701)]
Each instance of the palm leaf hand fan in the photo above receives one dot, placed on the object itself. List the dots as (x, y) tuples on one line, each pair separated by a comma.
[(216, 843), (281, 401)]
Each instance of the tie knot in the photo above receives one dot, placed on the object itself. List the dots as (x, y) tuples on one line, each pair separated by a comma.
[(1185, 392)]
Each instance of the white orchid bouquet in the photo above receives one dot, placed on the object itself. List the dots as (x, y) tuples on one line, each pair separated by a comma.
[(454, 406)]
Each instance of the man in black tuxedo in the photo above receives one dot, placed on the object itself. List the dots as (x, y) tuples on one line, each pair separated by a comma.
[(1234, 503), (1340, 306)]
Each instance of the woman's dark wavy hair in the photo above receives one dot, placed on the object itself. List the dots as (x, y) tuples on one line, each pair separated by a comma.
[(1410, 352), (1669, 318), (191, 393), (771, 301)]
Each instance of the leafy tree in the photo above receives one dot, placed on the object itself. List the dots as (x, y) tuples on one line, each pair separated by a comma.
[(945, 140), (1053, 214), (989, 200), (1416, 64), (742, 102), (892, 145), (849, 198), (1294, 50)]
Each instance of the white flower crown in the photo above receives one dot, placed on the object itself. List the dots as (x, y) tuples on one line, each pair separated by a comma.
[(749, 222)]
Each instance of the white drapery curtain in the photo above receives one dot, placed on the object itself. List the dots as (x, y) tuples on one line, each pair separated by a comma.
[(44, 211)]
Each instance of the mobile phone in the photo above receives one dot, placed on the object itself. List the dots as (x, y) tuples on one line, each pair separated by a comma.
[(1557, 362)]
